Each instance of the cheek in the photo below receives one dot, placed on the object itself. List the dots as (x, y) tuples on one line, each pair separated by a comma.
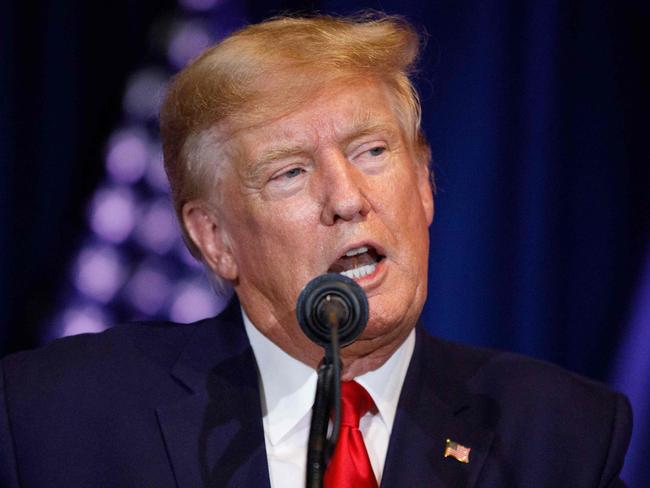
[(407, 218), (275, 236), (400, 198)]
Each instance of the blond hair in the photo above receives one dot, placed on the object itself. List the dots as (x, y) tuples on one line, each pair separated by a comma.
[(268, 69)]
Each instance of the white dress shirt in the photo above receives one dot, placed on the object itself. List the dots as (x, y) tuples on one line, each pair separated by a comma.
[(288, 388)]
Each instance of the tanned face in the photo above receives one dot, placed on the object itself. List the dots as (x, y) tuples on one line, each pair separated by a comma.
[(329, 187)]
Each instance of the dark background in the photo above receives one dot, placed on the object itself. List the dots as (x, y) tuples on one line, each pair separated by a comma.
[(63, 68), (536, 112)]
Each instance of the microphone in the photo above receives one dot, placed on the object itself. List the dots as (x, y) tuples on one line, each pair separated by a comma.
[(332, 300), (332, 311)]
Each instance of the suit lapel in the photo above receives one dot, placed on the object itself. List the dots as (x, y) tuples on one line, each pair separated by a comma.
[(214, 435), (424, 422)]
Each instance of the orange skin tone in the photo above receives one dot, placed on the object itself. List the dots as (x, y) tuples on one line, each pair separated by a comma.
[(330, 176)]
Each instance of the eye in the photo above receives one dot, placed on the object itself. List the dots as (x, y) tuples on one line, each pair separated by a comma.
[(372, 156), (377, 151), (291, 173), (372, 152)]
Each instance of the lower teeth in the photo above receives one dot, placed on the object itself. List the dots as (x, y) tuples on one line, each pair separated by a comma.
[(360, 272)]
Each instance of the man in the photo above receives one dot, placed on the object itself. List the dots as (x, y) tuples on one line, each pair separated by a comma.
[(293, 149)]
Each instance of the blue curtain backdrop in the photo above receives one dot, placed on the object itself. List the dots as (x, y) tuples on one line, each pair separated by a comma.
[(537, 115)]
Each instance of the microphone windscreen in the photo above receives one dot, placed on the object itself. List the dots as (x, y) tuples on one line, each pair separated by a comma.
[(334, 297)]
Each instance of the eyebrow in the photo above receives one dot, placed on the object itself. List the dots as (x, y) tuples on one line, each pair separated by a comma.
[(255, 167), (361, 128), (279, 152), (367, 123), (369, 128)]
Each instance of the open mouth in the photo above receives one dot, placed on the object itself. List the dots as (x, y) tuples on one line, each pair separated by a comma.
[(357, 263)]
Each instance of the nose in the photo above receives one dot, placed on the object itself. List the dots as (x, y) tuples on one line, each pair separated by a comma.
[(343, 192)]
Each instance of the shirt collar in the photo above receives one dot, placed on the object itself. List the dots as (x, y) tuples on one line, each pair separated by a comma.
[(385, 383), (288, 386)]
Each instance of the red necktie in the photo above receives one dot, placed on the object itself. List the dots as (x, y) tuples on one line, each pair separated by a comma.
[(350, 465)]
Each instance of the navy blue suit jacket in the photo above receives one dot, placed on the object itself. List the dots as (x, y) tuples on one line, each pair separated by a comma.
[(163, 405)]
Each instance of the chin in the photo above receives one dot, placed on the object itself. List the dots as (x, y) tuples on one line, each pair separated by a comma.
[(386, 316)]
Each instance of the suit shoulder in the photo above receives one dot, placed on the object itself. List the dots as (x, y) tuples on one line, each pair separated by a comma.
[(506, 373), (538, 381), (545, 396), (531, 399), (538, 411), (90, 356), (522, 388)]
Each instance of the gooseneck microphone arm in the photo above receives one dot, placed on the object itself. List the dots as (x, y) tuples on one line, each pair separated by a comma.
[(332, 311)]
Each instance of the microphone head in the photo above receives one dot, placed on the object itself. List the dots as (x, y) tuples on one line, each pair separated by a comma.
[(332, 297)]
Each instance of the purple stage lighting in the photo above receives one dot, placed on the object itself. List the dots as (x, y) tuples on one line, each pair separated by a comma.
[(185, 256), (194, 301), (99, 273), (199, 5), (148, 289), (157, 229), (112, 213), (155, 175), (128, 155), (82, 318), (188, 39), (144, 93), (137, 265)]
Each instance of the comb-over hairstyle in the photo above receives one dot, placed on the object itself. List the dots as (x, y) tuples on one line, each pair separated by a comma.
[(266, 70)]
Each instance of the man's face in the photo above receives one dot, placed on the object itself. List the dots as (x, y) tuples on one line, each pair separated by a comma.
[(331, 186)]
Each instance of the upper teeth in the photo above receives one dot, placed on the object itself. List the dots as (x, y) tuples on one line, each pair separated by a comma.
[(358, 250)]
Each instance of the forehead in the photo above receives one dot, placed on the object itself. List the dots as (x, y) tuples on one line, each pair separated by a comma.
[(342, 110)]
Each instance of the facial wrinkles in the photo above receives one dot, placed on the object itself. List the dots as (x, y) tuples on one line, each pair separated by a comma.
[(343, 233), (322, 129), (282, 243), (364, 121)]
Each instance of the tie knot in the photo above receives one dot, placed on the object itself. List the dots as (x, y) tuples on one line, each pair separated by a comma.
[(355, 403)]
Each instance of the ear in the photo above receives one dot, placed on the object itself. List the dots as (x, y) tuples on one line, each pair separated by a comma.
[(425, 188), (208, 236)]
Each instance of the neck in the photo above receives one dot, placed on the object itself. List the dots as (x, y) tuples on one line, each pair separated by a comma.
[(364, 355)]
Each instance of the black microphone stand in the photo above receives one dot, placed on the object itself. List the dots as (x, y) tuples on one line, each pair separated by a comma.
[(328, 398), (332, 311)]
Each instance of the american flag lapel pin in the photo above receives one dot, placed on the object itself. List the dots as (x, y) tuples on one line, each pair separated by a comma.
[(457, 451)]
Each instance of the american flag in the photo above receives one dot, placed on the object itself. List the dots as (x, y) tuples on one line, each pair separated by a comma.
[(457, 451)]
